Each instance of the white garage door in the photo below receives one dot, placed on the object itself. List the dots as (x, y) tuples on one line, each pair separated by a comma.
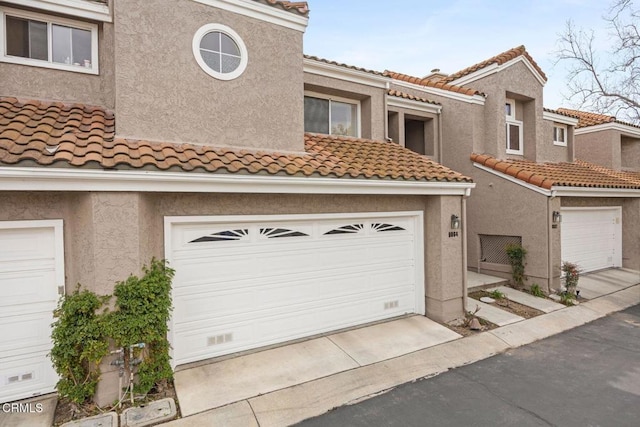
[(243, 283), (31, 267), (592, 237)]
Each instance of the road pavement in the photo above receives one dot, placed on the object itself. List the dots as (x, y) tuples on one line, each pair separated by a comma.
[(588, 376)]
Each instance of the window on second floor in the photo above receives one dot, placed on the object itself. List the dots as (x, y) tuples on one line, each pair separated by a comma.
[(560, 135), (514, 137), (331, 115), (39, 40)]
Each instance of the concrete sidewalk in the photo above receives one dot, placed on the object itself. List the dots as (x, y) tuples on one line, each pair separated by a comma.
[(292, 404)]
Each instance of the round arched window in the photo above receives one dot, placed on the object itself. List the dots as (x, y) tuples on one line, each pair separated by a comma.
[(220, 51)]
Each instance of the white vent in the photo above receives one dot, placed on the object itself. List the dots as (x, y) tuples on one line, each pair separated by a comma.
[(20, 377), (220, 339), (391, 304)]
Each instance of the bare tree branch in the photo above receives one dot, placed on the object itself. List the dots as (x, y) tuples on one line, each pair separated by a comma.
[(608, 81)]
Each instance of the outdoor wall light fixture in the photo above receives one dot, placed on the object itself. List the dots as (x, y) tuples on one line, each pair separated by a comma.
[(556, 217), (455, 222)]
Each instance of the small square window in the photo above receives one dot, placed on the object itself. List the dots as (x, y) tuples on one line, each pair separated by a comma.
[(514, 141), (331, 116), (40, 40), (560, 135)]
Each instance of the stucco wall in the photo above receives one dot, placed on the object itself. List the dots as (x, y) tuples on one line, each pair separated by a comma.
[(547, 151), (630, 223), (602, 148), (630, 153), (163, 94), (501, 207), (25, 81), (372, 101)]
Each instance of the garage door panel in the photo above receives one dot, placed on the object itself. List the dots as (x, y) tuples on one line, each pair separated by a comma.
[(591, 237), (25, 376), (23, 334), (281, 296), (270, 281), (232, 337), (24, 286), (26, 244)]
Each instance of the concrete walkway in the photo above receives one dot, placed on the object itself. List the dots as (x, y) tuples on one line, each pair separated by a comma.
[(310, 398), (477, 281), (492, 313), (542, 304)]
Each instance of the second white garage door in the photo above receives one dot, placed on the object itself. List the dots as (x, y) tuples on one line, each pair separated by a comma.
[(592, 237), (243, 282)]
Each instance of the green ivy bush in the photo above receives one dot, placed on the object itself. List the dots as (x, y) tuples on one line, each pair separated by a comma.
[(82, 335)]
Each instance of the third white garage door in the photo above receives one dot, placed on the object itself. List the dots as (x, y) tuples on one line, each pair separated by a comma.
[(592, 237), (247, 282)]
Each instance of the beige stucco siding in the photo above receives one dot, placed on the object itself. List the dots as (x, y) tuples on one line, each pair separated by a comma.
[(547, 151), (501, 207), (602, 148), (30, 82), (630, 153), (163, 94), (372, 101), (630, 223)]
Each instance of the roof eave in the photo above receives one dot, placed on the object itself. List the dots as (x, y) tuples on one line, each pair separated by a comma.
[(626, 129), (78, 8), (565, 191), (57, 179), (559, 118), (313, 66), (470, 99), (495, 68), (262, 12)]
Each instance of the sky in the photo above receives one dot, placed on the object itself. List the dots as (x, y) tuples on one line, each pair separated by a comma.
[(416, 36)]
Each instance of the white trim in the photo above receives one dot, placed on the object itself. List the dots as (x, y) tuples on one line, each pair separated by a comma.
[(558, 142), (411, 104), (78, 8), (244, 54), (470, 99), (58, 232), (514, 180), (563, 191), (321, 68), (494, 68), (58, 179), (559, 118), (418, 218), (263, 12), (342, 100), (625, 129), (511, 122), (50, 20), (512, 104)]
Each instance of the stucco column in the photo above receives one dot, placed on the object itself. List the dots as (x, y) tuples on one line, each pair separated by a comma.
[(443, 247)]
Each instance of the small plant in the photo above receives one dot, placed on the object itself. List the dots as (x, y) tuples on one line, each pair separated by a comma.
[(496, 294), (536, 291), (516, 254), (567, 298), (571, 277)]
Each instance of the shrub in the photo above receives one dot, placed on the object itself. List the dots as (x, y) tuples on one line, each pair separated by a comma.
[(571, 276), (496, 294), (516, 254)]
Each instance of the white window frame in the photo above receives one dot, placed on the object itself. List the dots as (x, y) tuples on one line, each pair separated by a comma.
[(49, 20), (511, 121), (330, 98), (566, 137), (244, 54)]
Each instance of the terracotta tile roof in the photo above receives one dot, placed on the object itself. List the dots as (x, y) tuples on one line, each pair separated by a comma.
[(633, 177), (562, 112), (52, 133), (340, 64), (399, 94), (299, 7), (546, 175), (591, 119), (499, 60), (438, 84)]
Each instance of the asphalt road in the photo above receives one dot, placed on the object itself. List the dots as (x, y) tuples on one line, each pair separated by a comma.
[(589, 376)]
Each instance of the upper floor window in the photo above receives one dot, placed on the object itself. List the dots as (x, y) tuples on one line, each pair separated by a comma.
[(331, 115), (43, 41), (220, 51), (560, 135), (513, 129)]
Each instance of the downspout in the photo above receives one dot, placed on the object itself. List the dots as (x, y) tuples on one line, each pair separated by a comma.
[(386, 112), (464, 250), (549, 243)]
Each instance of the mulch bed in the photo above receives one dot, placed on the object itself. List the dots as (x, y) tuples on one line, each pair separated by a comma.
[(507, 305)]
